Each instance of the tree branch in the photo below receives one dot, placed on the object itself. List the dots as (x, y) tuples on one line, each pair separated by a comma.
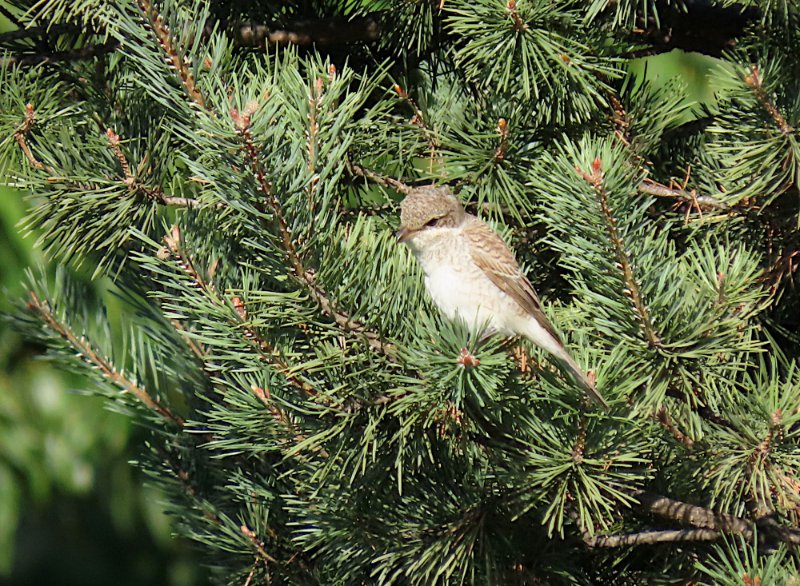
[(662, 416), (379, 179), (656, 189), (693, 514), (270, 354), (257, 543), (697, 26), (708, 525), (651, 537), (418, 119), (174, 56), (20, 136), (90, 355), (323, 31), (754, 82), (77, 54), (595, 179), (301, 273), (134, 185)]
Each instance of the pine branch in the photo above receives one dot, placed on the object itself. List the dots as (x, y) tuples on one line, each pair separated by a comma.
[(754, 82), (135, 186), (520, 26), (173, 54), (500, 151), (280, 416), (257, 543), (322, 32), (77, 54), (709, 525), (693, 514), (418, 119), (379, 179), (301, 273), (252, 573), (651, 537), (21, 134), (620, 120), (722, 522), (662, 416), (85, 350), (696, 26), (690, 197), (271, 354), (702, 410), (595, 179), (196, 348)]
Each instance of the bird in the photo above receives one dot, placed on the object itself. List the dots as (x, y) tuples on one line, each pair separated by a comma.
[(471, 275)]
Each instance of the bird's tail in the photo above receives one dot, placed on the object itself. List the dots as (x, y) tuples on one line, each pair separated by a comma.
[(580, 377)]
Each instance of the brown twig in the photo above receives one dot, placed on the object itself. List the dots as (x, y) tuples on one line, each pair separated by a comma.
[(699, 406), (786, 264), (257, 543), (301, 273), (705, 202), (113, 141), (595, 179), (519, 25), (280, 416), (21, 134), (664, 419), (252, 572), (620, 120), (418, 119), (196, 348), (693, 514), (174, 245), (754, 82), (134, 185), (707, 525), (175, 249), (379, 179), (90, 355), (651, 537), (325, 31), (502, 129), (176, 60), (579, 448)]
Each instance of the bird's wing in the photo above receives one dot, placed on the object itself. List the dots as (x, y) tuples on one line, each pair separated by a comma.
[(493, 257)]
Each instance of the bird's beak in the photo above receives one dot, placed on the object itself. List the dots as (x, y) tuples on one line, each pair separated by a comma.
[(404, 234)]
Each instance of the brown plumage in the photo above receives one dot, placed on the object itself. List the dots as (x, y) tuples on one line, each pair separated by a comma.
[(472, 275)]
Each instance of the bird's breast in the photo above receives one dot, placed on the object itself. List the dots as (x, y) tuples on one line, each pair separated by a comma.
[(459, 288)]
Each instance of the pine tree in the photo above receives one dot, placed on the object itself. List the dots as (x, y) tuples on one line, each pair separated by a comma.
[(235, 170)]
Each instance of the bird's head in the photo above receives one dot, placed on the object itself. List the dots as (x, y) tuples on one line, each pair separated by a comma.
[(428, 210)]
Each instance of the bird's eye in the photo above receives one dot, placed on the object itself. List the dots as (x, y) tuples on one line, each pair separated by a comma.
[(432, 222)]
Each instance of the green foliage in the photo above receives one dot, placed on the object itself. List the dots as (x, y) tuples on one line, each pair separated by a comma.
[(735, 563), (64, 458), (310, 416)]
